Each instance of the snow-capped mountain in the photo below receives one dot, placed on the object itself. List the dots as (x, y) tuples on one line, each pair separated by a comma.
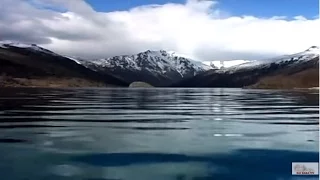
[(288, 71), (296, 58), (158, 68)]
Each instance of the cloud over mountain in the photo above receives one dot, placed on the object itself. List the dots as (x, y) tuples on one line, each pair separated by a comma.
[(197, 28)]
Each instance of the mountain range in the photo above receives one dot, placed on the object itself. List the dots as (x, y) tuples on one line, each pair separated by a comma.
[(158, 68), (31, 65), (290, 71)]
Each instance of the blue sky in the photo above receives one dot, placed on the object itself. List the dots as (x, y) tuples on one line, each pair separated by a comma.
[(259, 8)]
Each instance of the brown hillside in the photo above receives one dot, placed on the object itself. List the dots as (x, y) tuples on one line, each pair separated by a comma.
[(291, 78)]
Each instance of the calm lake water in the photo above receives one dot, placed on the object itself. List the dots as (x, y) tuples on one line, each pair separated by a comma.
[(156, 134)]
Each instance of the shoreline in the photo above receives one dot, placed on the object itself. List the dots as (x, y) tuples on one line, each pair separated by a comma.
[(117, 87), (51, 82)]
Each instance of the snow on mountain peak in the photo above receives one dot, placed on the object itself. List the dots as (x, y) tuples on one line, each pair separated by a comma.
[(156, 62), (296, 58), (226, 64), (33, 47)]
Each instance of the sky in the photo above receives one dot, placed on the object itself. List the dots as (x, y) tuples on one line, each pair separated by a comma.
[(205, 30), (261, 8)]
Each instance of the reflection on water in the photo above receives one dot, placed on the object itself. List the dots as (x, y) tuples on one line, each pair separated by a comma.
[(103, 134)]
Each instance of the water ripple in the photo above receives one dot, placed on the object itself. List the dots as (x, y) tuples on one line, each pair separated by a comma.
[(156, 133)]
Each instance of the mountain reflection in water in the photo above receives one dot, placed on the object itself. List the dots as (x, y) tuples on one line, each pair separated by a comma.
[(100, 134)]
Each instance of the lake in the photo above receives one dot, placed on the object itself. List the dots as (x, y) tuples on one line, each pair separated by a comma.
[(156, 134)]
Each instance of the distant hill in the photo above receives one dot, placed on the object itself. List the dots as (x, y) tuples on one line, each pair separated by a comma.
[(306, 75), (138, 84), (298, 70), (31, 65)]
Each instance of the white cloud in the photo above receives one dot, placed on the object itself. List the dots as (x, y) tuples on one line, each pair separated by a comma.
[(197, 28)]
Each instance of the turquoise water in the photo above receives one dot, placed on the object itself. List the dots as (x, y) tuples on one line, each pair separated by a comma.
[(181, 134)]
